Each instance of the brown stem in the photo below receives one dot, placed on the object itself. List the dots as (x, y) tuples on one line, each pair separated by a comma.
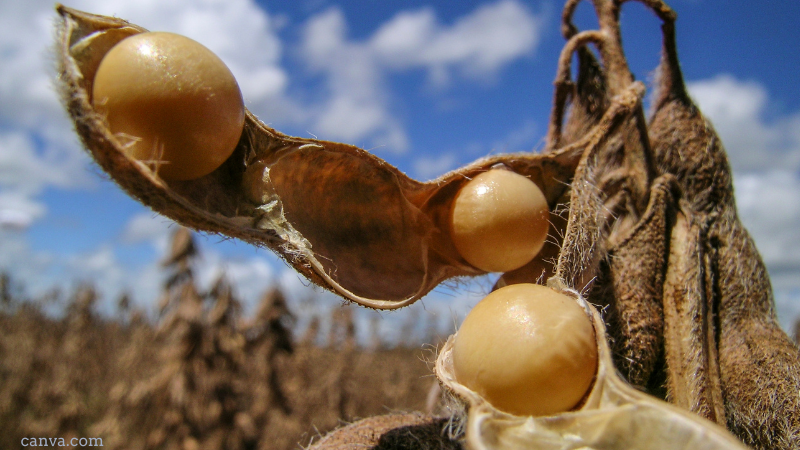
[(563, 82), (671, 79), (618, 75), (577, 262), (568, 29)]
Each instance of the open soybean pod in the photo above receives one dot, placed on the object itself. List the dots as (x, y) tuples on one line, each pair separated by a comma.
[(612, 415), (341, 216)]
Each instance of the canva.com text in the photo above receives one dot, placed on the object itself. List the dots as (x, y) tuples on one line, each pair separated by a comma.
[(61, 442)]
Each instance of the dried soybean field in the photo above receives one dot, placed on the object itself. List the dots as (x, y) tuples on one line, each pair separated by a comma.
[(199, 376)]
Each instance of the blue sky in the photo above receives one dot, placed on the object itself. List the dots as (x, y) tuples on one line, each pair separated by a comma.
[(428, 87)]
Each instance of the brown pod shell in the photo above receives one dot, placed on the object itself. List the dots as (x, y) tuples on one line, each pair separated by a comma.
[(612, 415), (729, 359), (344, 218), (388, 432)]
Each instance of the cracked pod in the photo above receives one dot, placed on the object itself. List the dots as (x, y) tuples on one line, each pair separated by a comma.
[(344, 218), (612, 415)]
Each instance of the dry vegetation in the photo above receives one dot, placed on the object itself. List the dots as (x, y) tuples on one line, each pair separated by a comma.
[(201, 377)]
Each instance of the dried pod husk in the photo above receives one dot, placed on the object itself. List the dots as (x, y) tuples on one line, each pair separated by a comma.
[(587, 229), (625, 261), (629, 290), (609, 240), (341, 216), (390, 432), (728, 358), (612, 415)]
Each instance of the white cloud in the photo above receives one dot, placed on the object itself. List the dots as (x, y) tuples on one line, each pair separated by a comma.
[(100, 264), (36, 143), (401, 40), (477, 44), (737, 109), (25, 173), (15, 250), (358, 104), (26, 96), (356, 107), (769, 205), (19, 211), (23, 167), (787, 303), (350, 119), (428, 168), (149, 227)]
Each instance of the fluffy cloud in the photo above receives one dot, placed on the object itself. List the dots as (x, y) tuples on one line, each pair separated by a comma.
[(26, 94), (477, 44), (19, 211), (37, 148), (770, 205), (358, 106), (15, 249), (738, 111), (149, 227), (26, 172), (428, 168)]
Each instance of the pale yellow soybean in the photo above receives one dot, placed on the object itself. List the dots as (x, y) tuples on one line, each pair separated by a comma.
[(499, 221), (171, 102), (528, 350)]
